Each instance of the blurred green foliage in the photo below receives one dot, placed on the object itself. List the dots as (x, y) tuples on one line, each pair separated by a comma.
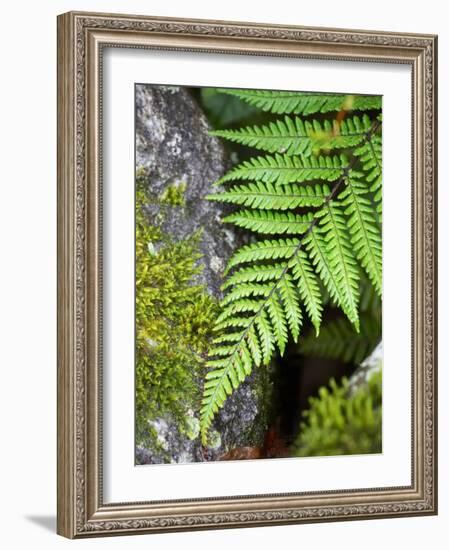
[(340, 422), (337, 338), (224, 111)]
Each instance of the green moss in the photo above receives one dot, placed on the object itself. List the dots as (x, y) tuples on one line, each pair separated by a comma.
[(191, 427), (174, 316), (174, 194), (341, 423), (214, 441)]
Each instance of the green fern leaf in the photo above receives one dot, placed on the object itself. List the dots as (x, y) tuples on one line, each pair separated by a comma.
[(281, 169), (334, 237), (268, 197), (316, 248), (289, 296), (308, 287), (268, 222), (303, 103), (278, 321), (370, 156), (229, 372), (233, 360), (244, 290), (238, 306), (293, 136), (338, 341), (227, 337), (266, 336), (230, 323), (365, 235), (264, 250), (257, 273), (254, 345), (340, 258), (219, 383)]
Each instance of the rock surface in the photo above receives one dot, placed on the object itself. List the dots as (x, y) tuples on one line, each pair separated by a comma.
[(173, 146), (364, 371)]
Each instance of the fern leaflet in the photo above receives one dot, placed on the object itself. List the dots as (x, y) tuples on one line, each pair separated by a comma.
[(268, 222), (308, 287), (268, 197), (303, 103), (340, 258), (338, 341), (292, 136), (364, 232), (370, 155), (282, 169), (264, 250)]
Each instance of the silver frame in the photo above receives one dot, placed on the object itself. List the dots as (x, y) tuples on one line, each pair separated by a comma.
[(81, 39)]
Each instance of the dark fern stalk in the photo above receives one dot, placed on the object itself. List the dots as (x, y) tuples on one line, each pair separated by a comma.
[(329, 241)]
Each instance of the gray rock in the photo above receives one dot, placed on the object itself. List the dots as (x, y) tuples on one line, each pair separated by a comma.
[(173, 146), (373, 363)]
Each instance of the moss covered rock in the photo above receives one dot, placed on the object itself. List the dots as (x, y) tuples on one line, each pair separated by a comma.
[(181, 250)]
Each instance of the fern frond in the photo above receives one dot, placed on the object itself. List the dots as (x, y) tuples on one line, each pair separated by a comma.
[(364, 232), (370, 156), (267, 197), (242, 305), (338, 341), (293, 136), (265, 323), (254, 345), (268, 222), (219, 383), (258, 273), (303, 103), (266, 336), (244, 290), (329, 242), (317, 250), (282, 169), (234, 322), (231, 370), (308, 287), (340, 259), (278, 321), (289, 296), (227, 337), (263, 250)]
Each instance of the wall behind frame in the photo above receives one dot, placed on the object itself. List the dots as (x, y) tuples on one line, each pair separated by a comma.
[(28, 274)]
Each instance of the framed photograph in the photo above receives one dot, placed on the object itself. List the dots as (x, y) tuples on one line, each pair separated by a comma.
[(247, 310)]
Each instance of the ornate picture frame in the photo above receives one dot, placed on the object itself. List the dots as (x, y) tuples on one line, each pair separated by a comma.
[(82, 38)]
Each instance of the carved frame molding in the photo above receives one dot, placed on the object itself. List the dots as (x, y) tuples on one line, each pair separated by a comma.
[(81, 37)]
